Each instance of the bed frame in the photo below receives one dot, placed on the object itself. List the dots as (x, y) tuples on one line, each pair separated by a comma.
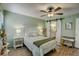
[(44, 48)]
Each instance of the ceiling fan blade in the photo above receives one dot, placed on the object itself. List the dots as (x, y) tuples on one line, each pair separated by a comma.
[(43, 11), (58, 8), (59, 13), (43, 15)]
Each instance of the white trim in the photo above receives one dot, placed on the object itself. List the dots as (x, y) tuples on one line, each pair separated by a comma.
[(58, 33)]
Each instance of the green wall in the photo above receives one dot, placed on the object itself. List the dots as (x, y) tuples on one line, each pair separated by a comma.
[(13, 19), (69, 32)]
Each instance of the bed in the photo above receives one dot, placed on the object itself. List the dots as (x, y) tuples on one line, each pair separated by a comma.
[(43, 49)]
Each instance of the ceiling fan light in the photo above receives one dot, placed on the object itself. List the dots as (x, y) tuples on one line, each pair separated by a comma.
[(50, 15)]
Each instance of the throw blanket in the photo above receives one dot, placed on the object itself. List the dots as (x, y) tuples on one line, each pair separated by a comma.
[(40, 42)]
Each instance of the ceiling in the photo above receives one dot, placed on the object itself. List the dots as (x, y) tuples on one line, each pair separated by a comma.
[(33, 9)]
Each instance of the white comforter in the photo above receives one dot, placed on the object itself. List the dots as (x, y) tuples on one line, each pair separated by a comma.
[(43, 49), (28, 41)]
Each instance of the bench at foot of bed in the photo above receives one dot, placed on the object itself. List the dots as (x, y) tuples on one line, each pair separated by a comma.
[(42, 47)]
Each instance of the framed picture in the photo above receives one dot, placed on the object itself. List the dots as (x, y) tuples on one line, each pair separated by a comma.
[(69, 25)]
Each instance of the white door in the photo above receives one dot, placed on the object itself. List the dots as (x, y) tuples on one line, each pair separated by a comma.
[(58, 33), (77, 34)]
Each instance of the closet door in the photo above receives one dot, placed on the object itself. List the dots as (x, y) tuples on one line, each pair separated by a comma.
[(77, 33)]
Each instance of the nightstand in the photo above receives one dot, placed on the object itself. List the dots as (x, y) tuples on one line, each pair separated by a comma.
[(18, 42)]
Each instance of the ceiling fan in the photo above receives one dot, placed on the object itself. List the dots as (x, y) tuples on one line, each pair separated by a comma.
[(51, 11)]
